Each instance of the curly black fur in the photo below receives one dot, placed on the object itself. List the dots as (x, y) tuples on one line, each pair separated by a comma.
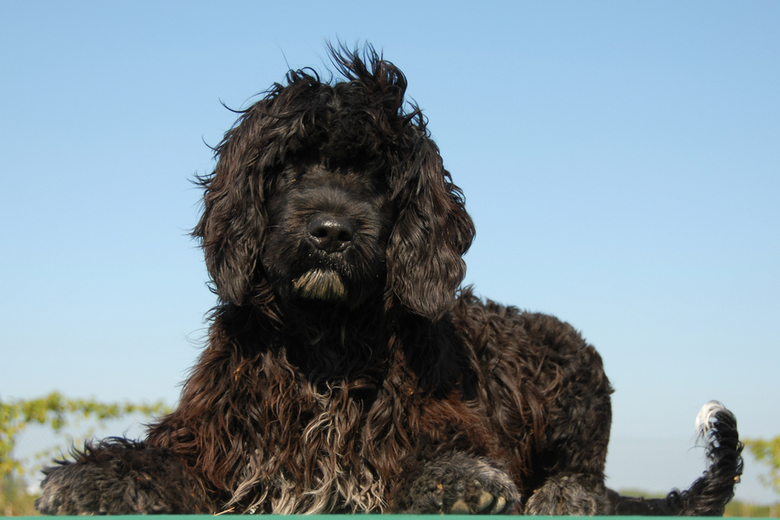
[(346, 371)]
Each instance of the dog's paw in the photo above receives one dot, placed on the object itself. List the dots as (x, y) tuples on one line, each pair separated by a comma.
[(568, 495), (462, 484), (122, 477)]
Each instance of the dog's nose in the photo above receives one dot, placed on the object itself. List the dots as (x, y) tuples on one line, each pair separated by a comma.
[(331, 233)]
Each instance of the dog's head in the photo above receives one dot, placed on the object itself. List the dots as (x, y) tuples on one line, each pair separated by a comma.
[(333, 193)]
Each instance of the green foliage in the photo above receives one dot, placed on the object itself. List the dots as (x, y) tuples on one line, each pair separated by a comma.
[(767, 452), (57, 412), (14, 499), (736, 508)]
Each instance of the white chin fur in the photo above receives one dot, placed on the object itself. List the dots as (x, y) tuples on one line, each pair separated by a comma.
[(320, 284)]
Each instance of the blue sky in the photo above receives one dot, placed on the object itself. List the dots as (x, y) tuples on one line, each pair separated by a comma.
[(621, 161)]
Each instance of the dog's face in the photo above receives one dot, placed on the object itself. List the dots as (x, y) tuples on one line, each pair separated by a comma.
[(333, 194), (327, 233)]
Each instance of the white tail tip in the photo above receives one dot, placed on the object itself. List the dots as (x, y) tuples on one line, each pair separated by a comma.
[(706, 418)]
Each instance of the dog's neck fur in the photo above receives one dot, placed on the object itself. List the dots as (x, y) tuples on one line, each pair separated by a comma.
[(329, 343)]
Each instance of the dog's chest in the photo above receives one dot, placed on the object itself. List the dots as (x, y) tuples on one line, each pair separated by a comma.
[(320, 464)]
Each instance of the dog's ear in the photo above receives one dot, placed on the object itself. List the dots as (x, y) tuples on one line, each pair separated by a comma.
[(431, 234), (232, 226)]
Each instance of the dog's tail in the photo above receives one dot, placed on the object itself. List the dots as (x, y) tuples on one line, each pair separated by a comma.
[(708, 496)]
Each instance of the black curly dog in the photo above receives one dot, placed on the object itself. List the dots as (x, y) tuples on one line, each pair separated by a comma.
[(346, 371)]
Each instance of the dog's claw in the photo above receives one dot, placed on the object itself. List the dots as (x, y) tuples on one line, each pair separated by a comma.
[(484, 501), (490, 504), (499, 506), (459, 507)]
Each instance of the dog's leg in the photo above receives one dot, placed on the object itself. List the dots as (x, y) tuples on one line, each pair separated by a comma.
[(120, 477), (575, 483), (574, 446), (461, 484)]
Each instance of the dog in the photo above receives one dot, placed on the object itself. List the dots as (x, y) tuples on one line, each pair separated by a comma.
[(346, 368)]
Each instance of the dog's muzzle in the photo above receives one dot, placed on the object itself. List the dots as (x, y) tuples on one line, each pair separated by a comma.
[(330, 235)]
